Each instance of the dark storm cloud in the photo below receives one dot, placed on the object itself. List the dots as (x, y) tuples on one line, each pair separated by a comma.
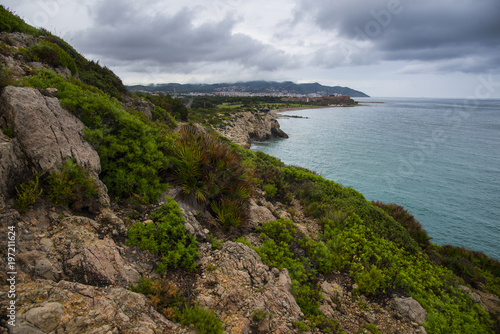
[(122, 32), (425, 30)]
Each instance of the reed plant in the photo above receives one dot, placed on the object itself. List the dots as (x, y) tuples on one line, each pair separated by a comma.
[(210, 172)]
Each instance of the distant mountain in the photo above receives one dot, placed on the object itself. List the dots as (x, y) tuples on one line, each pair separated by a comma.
[(253, 87)]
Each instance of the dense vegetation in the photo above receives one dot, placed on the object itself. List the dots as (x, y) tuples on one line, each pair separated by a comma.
[(166, 236), (379, 245), (361, 239), (167, 298), (209, 171)]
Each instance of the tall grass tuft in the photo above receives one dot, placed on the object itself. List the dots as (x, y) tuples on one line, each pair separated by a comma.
[(209, 171)]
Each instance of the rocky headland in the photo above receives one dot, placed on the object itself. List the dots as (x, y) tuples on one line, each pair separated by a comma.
[(245, 127)]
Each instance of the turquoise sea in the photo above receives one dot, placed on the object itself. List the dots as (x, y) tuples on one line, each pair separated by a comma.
[(439, 158)]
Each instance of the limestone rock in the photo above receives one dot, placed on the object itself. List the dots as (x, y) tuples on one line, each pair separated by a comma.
[(142, 106), (47, 133), (13, 167), (46, 317), (242, 284), (410, 308), (65, 307), (88, 259), (258, 213), (249, 126)]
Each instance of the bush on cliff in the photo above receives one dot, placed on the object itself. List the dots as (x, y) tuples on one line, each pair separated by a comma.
[(209, 171), (374, 248), (28, 192), (50, 53), (71, 186), (10, 22), (166, 236), (166, 298), (166, 105)]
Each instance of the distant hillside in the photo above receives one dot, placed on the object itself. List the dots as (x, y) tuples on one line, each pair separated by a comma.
[(254, 87)]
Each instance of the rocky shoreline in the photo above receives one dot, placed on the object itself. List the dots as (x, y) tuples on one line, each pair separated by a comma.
[(245, 127)]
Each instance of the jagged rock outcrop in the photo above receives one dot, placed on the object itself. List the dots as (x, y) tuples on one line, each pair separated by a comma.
[(246, 127), (236, 284), (13, 167), (144, 107), (45, 136), (259, 213), (67, 307), (76, 248), (410, 308), (47, 133)]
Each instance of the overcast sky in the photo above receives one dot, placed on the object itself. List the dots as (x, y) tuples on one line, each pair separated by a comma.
[(385, 48)]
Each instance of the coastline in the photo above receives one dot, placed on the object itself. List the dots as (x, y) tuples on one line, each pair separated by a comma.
[(278, 113)]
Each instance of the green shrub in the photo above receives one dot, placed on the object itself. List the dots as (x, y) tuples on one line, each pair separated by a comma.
[(258, 315), (166, 298), (279, 238), (28, 192), (207, 168), (369, 281), (216, 243), (168, 109), (50, 53), (203, 320), (6, 78), (302, 327), (10, 22), (167, 237), (71, 186), (475, 268), (409, 222), (209, 171), (371, 327), (270, 190), (8, 132)]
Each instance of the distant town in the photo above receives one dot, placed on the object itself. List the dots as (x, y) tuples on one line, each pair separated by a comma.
[(249, 89)]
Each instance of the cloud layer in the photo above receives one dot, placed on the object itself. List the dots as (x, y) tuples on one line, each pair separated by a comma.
[(393, 42), (459, 36), (122, 33)]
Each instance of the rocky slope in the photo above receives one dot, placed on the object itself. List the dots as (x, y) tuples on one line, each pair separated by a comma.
[(73, 271)]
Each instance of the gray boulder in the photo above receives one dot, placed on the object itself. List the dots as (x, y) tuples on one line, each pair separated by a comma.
[(66, 307), (47, 133), (411, 309), (238, 284)]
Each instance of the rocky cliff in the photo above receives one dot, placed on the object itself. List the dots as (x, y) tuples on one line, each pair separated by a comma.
[(245, 127)]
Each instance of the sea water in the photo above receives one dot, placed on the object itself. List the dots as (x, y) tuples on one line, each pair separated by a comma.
[(438, 158)]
